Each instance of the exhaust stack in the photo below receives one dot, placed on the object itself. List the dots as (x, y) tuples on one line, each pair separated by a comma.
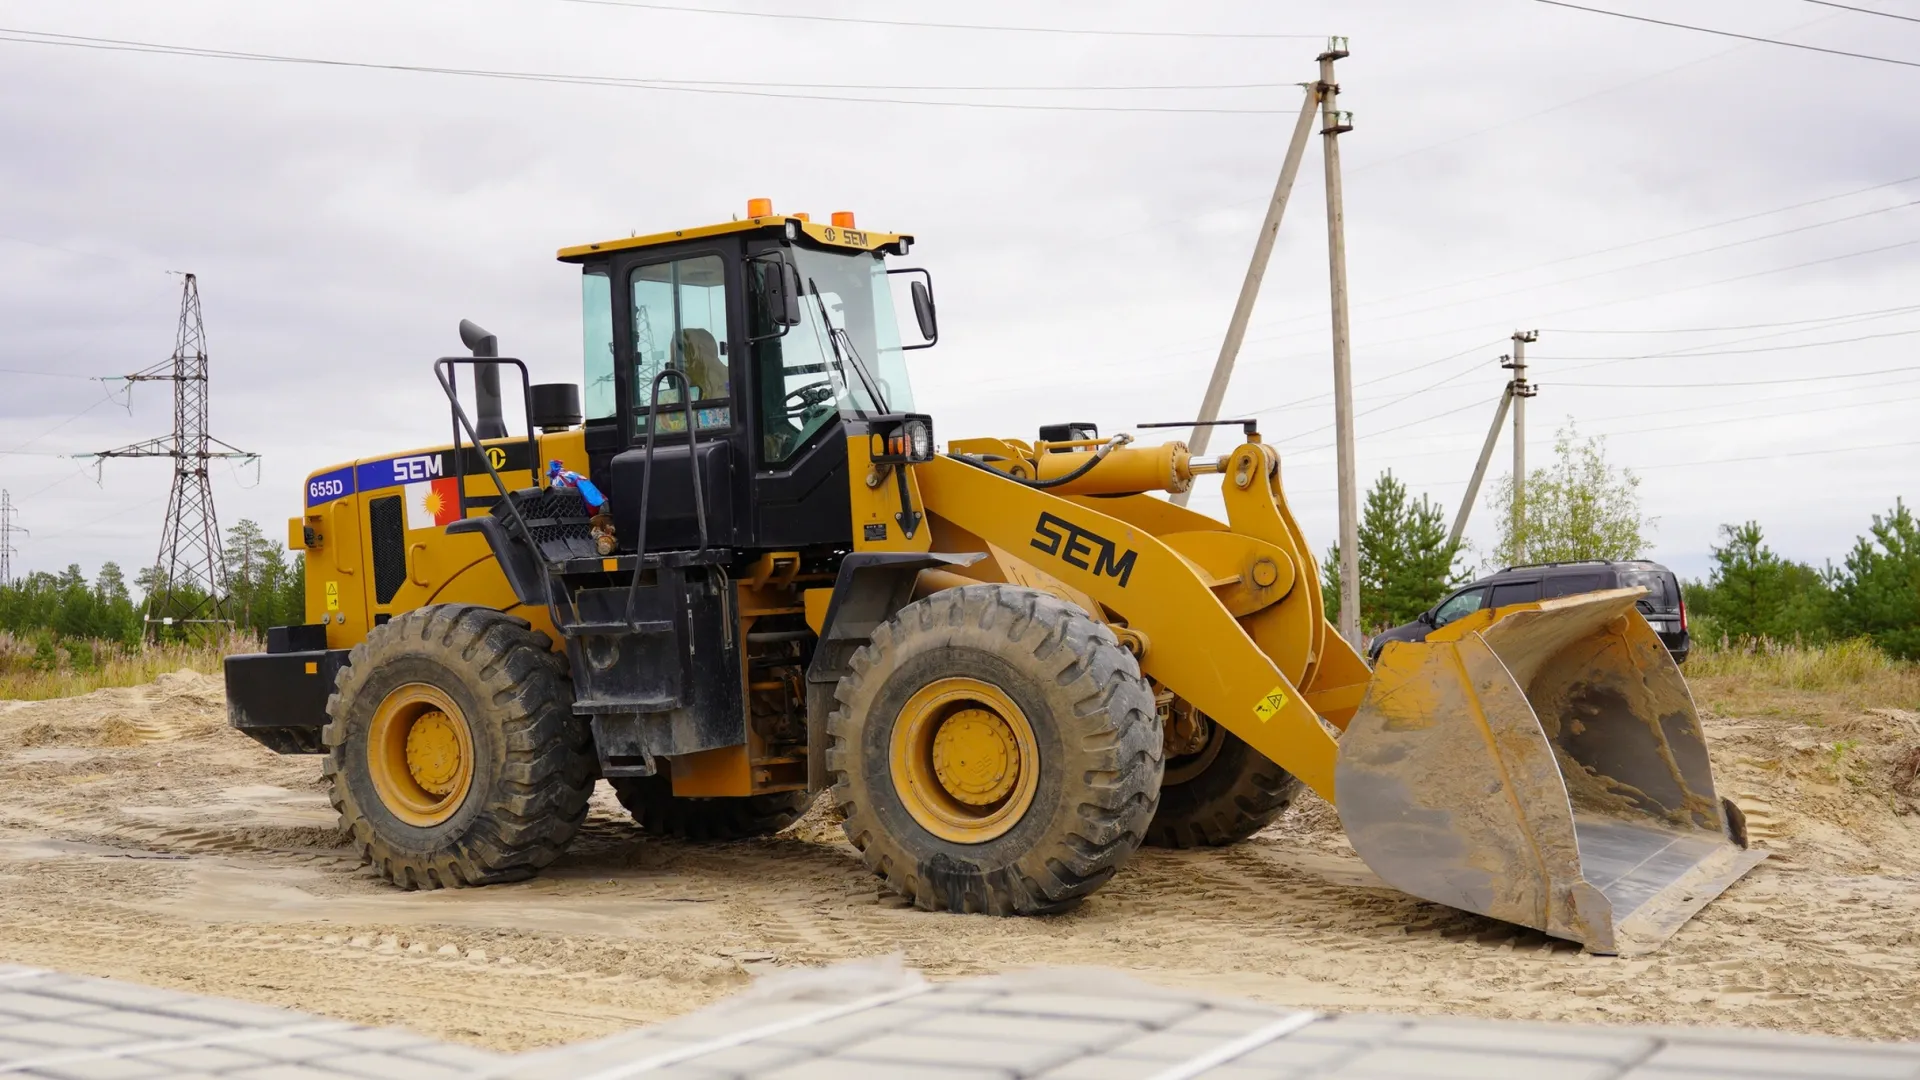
[(489, 418)]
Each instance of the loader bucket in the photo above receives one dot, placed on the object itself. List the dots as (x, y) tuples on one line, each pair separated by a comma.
[(1542, 764)]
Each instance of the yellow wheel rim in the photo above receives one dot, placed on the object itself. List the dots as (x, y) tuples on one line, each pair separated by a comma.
[(965, 763), (420, 754)]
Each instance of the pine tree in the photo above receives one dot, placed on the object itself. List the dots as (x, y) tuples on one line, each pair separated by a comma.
[(1405, 560), (116, 619), (1754, 593), (1580, 507), (1877, 592)]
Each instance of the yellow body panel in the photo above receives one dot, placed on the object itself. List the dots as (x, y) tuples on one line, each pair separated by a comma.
[(875, 494), (1196, 647), (440, 569)]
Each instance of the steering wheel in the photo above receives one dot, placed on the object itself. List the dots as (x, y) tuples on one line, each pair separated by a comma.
[(805, 399)]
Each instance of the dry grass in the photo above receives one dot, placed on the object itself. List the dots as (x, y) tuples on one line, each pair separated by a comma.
[(29, 671), (1813, 682)]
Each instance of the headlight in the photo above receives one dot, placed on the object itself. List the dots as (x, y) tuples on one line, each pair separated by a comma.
[(919, 435)]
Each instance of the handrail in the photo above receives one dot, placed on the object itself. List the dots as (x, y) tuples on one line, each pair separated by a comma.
[(646, 476), (443, 371)]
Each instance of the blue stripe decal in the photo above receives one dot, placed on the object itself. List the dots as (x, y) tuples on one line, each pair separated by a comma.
[(374, 475), (328, 486)]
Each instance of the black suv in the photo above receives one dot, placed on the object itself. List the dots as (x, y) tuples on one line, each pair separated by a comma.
[(1665, 611)]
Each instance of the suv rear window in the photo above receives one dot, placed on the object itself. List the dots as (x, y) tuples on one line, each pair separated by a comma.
[(1568, 584), (1514, 592), (1662, 591)]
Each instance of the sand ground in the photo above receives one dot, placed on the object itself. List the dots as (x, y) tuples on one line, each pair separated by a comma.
[(140, 838)]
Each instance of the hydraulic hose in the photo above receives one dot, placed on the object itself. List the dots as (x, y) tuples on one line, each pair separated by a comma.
[(1098, 456)]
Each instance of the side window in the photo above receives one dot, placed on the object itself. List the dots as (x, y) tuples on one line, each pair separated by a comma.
[(1569, 584), (680, 322), (596, 321), (1461, 603), (797, 391), (1514, 592)]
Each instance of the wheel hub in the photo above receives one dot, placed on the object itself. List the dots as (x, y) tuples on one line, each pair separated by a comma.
[(964, 759), (433, 752), (420, 754), (976, 757)]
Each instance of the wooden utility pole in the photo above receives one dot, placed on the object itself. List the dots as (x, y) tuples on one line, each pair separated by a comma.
[(1250, 286), (1518, 391), (1333, 123), (1480, 467)]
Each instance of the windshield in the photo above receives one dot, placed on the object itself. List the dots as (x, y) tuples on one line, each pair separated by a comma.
[(842, 359), (853, 290), (1661, 595)]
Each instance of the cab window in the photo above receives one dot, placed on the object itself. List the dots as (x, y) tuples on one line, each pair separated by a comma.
[(596, 321), (680, 323), (1460, 603)]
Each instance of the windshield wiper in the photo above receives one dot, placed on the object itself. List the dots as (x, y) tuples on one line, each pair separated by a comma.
[(843, 348)]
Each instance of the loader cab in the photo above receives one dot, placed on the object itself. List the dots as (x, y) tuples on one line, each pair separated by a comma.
[(781, 330)]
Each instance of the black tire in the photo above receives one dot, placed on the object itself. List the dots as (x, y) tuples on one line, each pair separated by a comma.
[(1221, 795), (1096, 736), (533, 764), (655, 808)]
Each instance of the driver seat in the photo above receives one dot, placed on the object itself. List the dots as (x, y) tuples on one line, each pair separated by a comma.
[(700, 359)]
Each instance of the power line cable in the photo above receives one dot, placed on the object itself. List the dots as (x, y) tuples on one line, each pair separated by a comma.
[(920, 25), (1696, 408), (1651, 78), (1656, 239), (1739, 352), (1721, 281), (45, 374), (1733, 382), (1547, 440), (1748, 326), (1864, 11), (1783, 454), (1485, 324), (1569, 258), (1750, 417), (1389, 403), (1711, 348), (1649, 262), (160, 49), (1278, 407), (1424, 484), (1731, 34)]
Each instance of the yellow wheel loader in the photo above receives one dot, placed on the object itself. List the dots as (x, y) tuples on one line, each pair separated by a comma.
[(732, 570)]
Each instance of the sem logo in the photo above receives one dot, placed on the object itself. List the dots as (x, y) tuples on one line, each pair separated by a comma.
[(1072, 544), (409, 469), (496, 457)]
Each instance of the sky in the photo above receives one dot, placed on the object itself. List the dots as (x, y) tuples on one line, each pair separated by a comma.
[(1716, 239)]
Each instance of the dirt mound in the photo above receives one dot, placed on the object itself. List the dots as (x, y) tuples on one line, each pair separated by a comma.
[(1840, 795), (141, 838), (178, 705)]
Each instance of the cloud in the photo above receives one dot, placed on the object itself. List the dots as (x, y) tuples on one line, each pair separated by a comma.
[(342, 221)]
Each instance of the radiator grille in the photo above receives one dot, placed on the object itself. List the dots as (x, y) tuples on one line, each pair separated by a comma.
[(385, 519)]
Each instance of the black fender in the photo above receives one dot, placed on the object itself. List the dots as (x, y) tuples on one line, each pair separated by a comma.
[(872, 585)]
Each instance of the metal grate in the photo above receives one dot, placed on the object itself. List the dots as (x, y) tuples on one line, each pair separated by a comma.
[(385, 519), (558, 520)]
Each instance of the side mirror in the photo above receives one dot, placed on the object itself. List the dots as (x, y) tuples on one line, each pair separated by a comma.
[(789, 296), (1427, 617), (924, 311), (779, 287)]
